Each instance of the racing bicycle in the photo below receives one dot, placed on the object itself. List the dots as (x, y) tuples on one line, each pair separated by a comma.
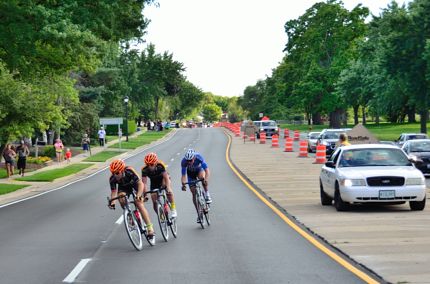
[(134, 224), (164, 208), (201, 206)]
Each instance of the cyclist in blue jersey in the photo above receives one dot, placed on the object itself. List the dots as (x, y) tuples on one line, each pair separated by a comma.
[(194, 167)]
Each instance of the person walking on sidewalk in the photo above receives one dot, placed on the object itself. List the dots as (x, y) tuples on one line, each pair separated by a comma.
[(85, 143), (9, 159), (194, 166), (68, 155), (22, 152), (123, 181), (102, 136), (155, 170)]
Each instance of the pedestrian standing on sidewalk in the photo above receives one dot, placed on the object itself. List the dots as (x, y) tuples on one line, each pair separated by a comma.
[(9, 159), (85, 143), (59, 150), (343, 140), (102, 136), (68, 155), (22, 152)]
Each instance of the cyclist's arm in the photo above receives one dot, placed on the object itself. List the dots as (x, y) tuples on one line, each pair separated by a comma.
[(140, 188), (167, 181), (207, 174), (113, 191), (183, 172), (145, 183)]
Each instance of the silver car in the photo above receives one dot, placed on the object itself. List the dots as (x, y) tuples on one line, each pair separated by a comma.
[(312, 141)]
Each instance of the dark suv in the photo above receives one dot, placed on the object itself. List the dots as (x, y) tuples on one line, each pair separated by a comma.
[(268, 126)]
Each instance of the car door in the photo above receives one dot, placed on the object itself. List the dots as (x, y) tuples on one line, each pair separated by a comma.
[(332, 173)]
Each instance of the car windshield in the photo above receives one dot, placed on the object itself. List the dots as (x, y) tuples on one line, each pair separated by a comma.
[(421, 146), (268, 123), (373, 157), (331, 135), (313, 135), (417, 136)]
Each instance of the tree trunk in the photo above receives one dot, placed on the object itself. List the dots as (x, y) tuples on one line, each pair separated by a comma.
[(363, 109), (316, 118), (411, 115), (423, 120), (377, 121), (356, 114), (156, 108), (336, 118)]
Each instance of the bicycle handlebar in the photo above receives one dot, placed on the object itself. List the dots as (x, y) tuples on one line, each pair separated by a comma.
[(194, 182)]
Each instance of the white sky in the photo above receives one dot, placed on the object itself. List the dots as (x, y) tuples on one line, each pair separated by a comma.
[(227, 45)]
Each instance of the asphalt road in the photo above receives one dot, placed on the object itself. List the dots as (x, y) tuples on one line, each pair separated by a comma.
[(43, 239)]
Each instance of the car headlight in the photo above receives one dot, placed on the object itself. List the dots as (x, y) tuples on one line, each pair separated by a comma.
[(415, 181), (326, 143), (352, 182), (261, 129)]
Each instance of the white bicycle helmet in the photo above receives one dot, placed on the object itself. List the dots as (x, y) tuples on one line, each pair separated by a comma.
[(190, 154)]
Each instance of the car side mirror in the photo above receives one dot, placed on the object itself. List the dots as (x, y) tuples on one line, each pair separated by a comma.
[(330, 164), (415, 160)]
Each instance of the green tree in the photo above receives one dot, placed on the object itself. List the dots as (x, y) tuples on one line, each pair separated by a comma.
[(211, 112)]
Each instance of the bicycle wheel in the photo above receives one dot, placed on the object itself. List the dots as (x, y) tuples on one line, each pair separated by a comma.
[(162, 221), (132, 228), (172, 223), (206, 211), (200, 210)]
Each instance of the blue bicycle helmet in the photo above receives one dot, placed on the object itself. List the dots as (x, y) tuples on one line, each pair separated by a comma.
[(190, 154)]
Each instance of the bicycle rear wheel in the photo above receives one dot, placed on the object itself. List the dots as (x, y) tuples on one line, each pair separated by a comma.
[(163, 222), (132, 229)]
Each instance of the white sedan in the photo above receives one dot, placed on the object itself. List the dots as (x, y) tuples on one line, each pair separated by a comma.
[(375, 173)]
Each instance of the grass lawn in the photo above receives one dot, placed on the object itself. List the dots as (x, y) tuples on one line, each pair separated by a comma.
[(50, 175), (102, 156), (143, 139), (15, 171), (6, 188), (383, 131)]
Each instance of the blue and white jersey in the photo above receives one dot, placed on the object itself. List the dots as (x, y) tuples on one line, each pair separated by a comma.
[(198, 165)]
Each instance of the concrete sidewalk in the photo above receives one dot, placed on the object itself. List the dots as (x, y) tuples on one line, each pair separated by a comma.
[(392, 241), (36, 188)]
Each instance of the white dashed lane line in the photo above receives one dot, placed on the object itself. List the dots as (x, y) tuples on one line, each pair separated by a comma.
[(120, 220), (75, 272)]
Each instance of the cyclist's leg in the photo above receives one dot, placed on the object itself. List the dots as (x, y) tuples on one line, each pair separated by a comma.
[(145, 216), (202, 175), (170, 195), (154, 201)]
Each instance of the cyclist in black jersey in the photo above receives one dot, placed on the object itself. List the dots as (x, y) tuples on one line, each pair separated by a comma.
[(123, 181), (155, 170)]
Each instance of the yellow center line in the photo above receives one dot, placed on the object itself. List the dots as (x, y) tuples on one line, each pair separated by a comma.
[(362, 275)]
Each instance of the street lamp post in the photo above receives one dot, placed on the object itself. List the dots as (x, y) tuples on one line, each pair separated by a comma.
[(126, 117)]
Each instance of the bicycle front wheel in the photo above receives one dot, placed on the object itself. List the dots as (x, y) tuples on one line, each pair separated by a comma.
[(206, 211), (163, 222), (132, 229), (200, 210)]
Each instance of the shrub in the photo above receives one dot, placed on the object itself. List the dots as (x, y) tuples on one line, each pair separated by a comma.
[(40, 160), (49, 151)]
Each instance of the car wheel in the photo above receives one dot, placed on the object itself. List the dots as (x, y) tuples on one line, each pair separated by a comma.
[(309, 149), (339, 204), (325, 199), (258, 135), (417, 205)]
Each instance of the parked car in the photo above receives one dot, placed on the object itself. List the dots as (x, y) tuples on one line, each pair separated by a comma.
[(371, 173), (312, 141), (173, 124), (410, 136), (419, 150), (330, 138), (268, 126)]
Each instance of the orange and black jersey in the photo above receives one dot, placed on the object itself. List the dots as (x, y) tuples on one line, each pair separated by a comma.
[(156, 175), (129, 180)]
